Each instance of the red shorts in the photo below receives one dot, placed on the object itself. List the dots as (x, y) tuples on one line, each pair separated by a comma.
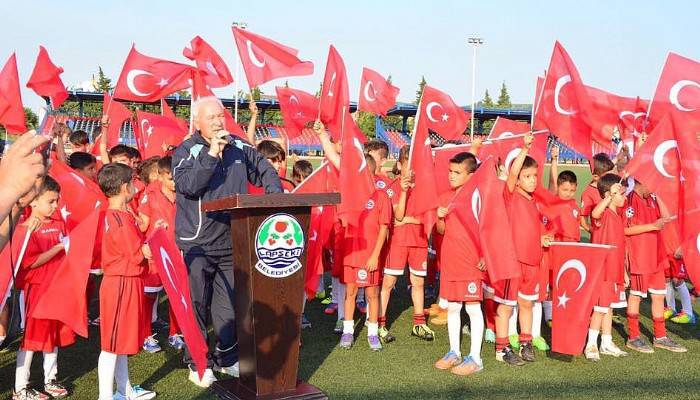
[(611, 295), (151, 280), (654, 283), (676, 269), (43, 334), (399, 256), (361, 277), (121, 310), (527, 287), (461, 291)]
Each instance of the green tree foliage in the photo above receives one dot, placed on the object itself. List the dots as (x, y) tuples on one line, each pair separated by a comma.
[(487, 101), (504, 97), (419, 92), (103, 83)]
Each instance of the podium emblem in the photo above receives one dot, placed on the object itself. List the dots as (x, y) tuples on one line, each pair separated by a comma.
[(279, 244)]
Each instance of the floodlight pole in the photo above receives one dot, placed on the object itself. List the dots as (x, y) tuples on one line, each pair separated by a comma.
[(475, 42), (239, 25)]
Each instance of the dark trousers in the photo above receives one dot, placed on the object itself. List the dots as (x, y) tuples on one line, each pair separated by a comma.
[(211, 288)]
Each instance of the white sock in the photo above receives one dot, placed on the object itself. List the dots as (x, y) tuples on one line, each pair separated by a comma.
[(341, 301), (2, 339), (442, 303), (50, 365), (513, 322), (605, 340), (476, 321), (22, 309), (686, 303), (592, 338), (454, 326), (348, 326), (121, 375), (372, 329), (547, 308), (670, 297), (106, 365), (537, 319), (24, 362)]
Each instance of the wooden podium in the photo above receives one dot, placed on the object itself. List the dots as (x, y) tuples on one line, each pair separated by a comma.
[(269, 236)]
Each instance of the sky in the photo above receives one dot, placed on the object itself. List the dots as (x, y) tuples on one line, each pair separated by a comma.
[(618, 46)]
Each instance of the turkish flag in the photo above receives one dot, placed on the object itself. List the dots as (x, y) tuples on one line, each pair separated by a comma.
[(504, 127), (335, 98), (118, 113), (320, 225), (166, 111), (578, 272), (46, 79), (200, 88), (157, 133), (610, 112), (10, 261), (173, 274), (298, 108), (677, 93), (439, 113), (63, 292), (355, 181), (80, 196), (424, 196), (563, 103), (11, 109), (657, 164), (264, 59), (231, 126), (147, 79), (441, 159), (377, 95), (506, 148), (209, 63)]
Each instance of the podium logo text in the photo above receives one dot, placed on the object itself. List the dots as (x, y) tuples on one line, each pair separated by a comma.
[(279, 244)]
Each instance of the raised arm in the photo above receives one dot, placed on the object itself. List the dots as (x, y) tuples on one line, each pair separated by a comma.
[(250, 132), (328, 146), (517, 164)]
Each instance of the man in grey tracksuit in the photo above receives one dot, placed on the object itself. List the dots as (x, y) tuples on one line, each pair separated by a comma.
[(212, 165)]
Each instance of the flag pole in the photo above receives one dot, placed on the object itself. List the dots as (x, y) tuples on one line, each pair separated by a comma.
[(539, 99), (18, 262), (415, 130)]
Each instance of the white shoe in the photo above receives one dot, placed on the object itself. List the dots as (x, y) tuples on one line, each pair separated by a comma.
[(592, 353), (612, 350), (207, 378), (139, 393), (232, 370)]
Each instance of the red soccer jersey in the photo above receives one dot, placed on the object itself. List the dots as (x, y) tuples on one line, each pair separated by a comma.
[(383, 183), (121, 245), (589, 198), (49, 234), (359, 242), (562, 221), (526, 222), (646, 250), (457, 252), (156, 206), (407, 235), (610, 230)]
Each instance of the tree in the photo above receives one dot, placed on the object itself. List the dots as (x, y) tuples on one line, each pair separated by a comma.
[(30, 118), (421, 86), (487, 101), (257, 93), (504, 97), (103, 83), (366, 123)]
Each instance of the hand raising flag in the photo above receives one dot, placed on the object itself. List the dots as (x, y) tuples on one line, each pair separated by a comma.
[(46, 79), (377, 95), (264, 59)]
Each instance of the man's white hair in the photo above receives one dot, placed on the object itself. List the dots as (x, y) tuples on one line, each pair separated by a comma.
[(202, 101)]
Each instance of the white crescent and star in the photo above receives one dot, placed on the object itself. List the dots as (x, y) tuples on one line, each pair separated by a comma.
[(253, 58), (505, 134), (358, 145), (659, 154), (580, 268), (330, 85), (148, 131), (476, 204), (370, 85), (429, 111), (510, 157), (557, 88), (167, 264), (676, 90), (131, 76)]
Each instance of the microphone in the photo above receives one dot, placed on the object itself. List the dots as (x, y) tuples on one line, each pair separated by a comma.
[(223, 134)]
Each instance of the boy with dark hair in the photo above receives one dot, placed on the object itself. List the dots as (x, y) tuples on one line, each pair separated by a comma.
[(274, 152), (86, 163), (301, 170), (121, 154), (602, 164), (44, 253), (124, 258), (79, 141)]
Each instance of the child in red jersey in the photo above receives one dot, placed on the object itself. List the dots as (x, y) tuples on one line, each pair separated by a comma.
[(85, 163), (609, 221), (526, 221), (157, 209), (646, 216), (44, 253), (379, 152), (602, 164), (362, 264), (408, 245), (124, 258), (275, 153), (461, 270)]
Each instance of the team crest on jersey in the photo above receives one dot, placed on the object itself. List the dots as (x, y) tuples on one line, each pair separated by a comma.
[(544, 220), (390, 192), (370, 204), (381, 184), (471, 288), (361, 274), (279, 243), (144, 199), (575, 213), (629, 212)]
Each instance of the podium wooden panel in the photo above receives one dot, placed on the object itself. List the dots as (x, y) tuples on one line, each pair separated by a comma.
[(268, 309)]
